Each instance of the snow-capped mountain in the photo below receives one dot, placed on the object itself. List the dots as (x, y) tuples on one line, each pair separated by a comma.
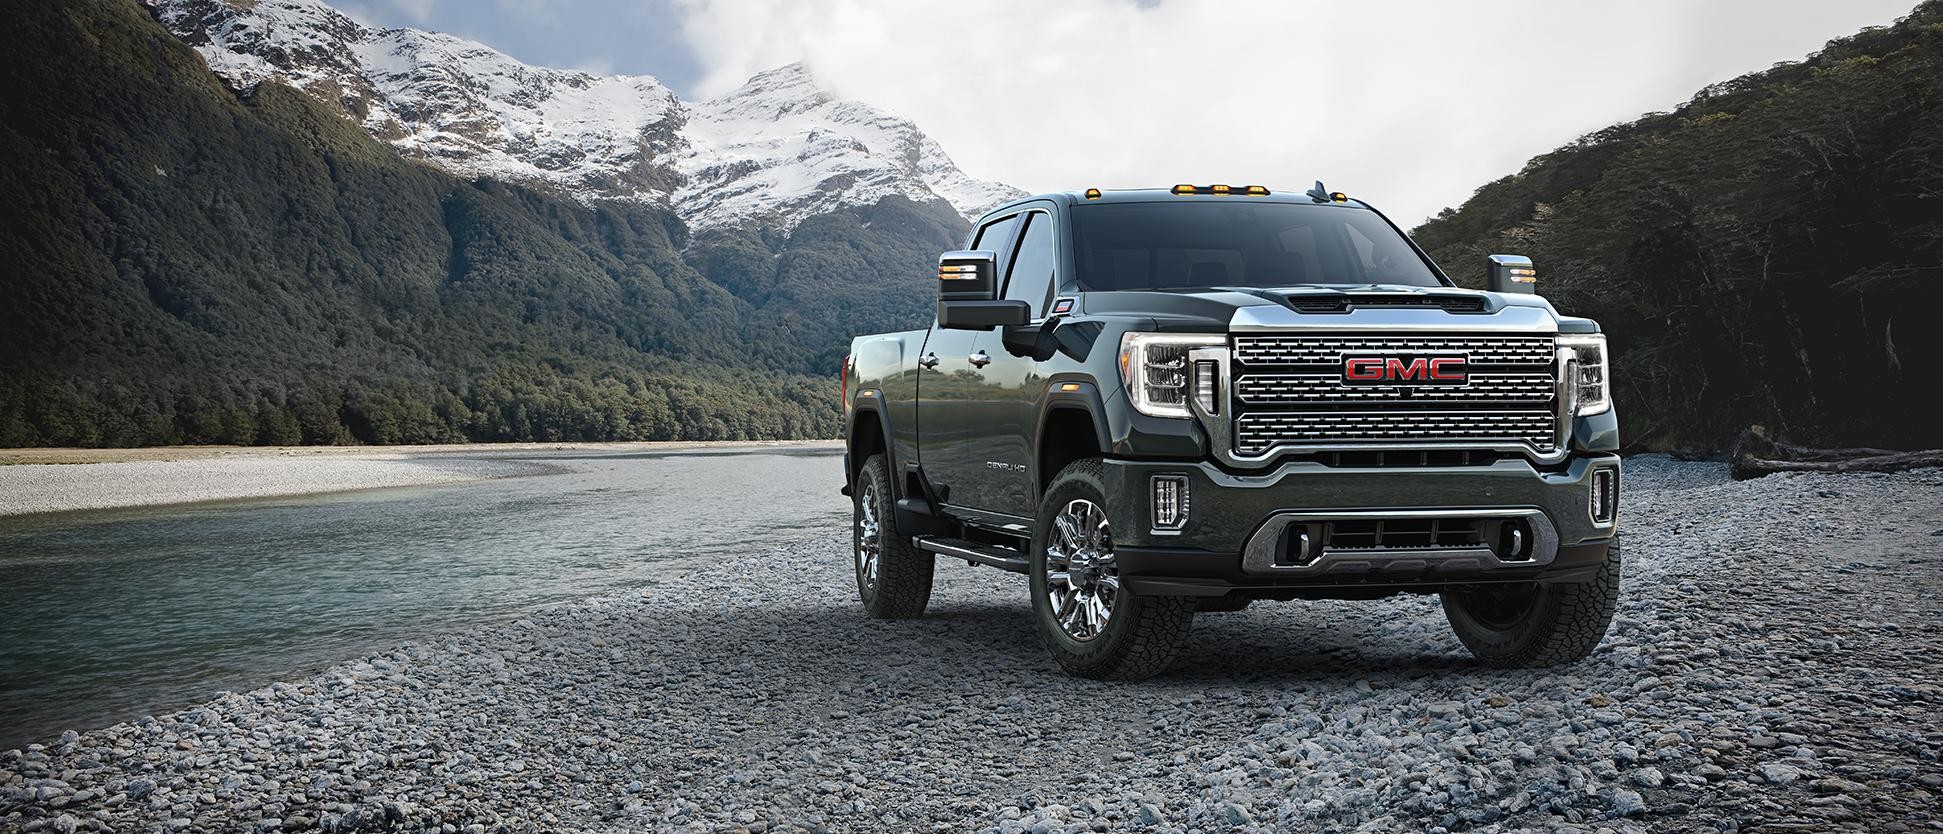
[(774, 151)]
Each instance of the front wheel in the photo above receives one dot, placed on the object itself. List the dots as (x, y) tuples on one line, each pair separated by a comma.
[(893, 575), (1523, 625), (1093, 626)]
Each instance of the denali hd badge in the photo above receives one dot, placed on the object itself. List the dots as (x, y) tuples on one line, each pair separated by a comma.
[(1393, 370)]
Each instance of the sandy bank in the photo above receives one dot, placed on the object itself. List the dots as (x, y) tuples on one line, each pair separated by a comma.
[(175, 453), (40, 488)]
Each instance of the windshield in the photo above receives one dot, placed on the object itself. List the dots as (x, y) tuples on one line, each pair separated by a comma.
[(1159, 245)]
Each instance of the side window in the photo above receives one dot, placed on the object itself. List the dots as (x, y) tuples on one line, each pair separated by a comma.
[(995, 235), (1031, 277)]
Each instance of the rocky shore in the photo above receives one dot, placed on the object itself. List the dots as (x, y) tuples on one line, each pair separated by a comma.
[(1773, 668)]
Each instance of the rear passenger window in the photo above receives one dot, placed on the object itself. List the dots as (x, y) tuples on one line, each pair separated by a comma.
[(1032, 267)]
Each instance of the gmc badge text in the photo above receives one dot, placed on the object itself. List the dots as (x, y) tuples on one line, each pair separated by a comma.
[(1155, 403)]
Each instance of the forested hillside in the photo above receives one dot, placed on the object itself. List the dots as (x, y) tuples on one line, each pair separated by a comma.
[(1769, 252), (187, 265)]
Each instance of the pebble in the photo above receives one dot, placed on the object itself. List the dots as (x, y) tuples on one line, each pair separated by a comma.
[(1627, 803), (757, 698)]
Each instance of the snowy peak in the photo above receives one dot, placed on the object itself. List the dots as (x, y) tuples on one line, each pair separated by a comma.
[(774, 151), (780, 143)]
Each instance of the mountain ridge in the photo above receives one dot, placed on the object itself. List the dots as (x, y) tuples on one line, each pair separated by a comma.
[(774, 151), (1764, 253), (187, 264)]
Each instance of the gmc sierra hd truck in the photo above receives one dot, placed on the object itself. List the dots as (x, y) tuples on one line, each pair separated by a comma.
[(1161, 402)]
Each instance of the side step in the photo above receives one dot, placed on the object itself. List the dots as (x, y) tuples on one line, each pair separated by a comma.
[(1003, 558)]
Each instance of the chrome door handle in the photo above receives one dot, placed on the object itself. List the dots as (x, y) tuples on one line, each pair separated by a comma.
[(930, 360), (980, 359)]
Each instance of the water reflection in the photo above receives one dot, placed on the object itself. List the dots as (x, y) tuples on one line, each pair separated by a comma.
[(105, 616)]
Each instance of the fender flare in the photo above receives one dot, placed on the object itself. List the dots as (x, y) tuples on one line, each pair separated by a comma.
[(852, 463), (1084, 395)]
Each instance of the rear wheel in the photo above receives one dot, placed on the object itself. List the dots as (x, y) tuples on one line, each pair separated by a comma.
[(893, 575), (1532, 624), (1093, 626)]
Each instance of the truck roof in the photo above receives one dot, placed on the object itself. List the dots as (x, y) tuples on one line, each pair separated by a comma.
[(1154, 195)]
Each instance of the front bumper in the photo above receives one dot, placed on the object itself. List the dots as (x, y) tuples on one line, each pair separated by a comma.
[(1233, 518)]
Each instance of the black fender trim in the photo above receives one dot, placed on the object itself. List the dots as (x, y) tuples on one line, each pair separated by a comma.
[(1068, 392), (853, 461)]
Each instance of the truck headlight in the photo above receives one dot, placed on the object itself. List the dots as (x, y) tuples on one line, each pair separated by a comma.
[(1594, 383), (1155, 369)]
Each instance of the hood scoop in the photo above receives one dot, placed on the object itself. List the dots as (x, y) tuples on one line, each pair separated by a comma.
[(1350, 302)]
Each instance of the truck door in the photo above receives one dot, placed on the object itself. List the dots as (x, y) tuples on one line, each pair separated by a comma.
[(1011, 386), (951, 428)]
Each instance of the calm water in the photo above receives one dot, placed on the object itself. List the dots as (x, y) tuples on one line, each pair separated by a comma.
[(107, 616)]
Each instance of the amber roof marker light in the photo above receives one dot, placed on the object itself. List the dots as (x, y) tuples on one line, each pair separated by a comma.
[(1220, 189), (1092, 194)]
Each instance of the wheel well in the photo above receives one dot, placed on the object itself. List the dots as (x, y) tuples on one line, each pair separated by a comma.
[(866, 439), (1067, 436)]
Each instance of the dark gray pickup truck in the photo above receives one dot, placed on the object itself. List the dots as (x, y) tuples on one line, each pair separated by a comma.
[(1162, 402)]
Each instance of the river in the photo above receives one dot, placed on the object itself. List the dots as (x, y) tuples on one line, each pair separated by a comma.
[(106, 616)]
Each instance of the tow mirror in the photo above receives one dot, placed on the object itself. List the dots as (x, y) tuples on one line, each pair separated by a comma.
[(968, 294), (1512, 274)]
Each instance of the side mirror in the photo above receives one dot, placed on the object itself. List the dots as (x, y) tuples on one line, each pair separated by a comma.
[(968, 294), (1511, 274)]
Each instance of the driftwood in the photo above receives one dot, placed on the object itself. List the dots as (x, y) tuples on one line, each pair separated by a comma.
[(1757, 453)]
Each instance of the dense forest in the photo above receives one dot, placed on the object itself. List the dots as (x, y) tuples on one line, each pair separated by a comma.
[(187, 265), (1770, 252)]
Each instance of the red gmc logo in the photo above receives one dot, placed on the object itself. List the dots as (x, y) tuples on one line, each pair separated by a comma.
[(1383, 370)]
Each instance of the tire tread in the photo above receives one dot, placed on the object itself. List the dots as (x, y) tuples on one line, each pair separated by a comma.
[(1570, 621), (904, 573)]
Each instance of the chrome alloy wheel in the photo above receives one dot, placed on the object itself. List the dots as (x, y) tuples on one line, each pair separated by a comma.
[(1081, 577), (870, 543)]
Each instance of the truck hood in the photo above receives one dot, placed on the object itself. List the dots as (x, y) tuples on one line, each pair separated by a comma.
[(1334, 307)]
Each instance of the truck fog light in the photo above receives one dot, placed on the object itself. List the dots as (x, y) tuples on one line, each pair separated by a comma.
[(1170, 502), (1602, 499)]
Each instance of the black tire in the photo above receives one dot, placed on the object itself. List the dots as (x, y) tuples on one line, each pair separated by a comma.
[(1142, 636), (1517, 627), (903, 581)]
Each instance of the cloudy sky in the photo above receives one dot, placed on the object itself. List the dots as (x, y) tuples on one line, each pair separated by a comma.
[(1408, 105)]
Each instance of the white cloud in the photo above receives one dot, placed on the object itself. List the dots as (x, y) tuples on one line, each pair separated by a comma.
[(1409, 105), (418, 10)]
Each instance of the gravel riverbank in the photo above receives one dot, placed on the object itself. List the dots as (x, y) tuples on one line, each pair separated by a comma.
[(49, 487), (1773, 668)]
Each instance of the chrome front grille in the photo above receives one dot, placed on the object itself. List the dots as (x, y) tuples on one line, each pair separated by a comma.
[(1255, 433), (1329, 350), (1267, 388), (1288, 392)]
